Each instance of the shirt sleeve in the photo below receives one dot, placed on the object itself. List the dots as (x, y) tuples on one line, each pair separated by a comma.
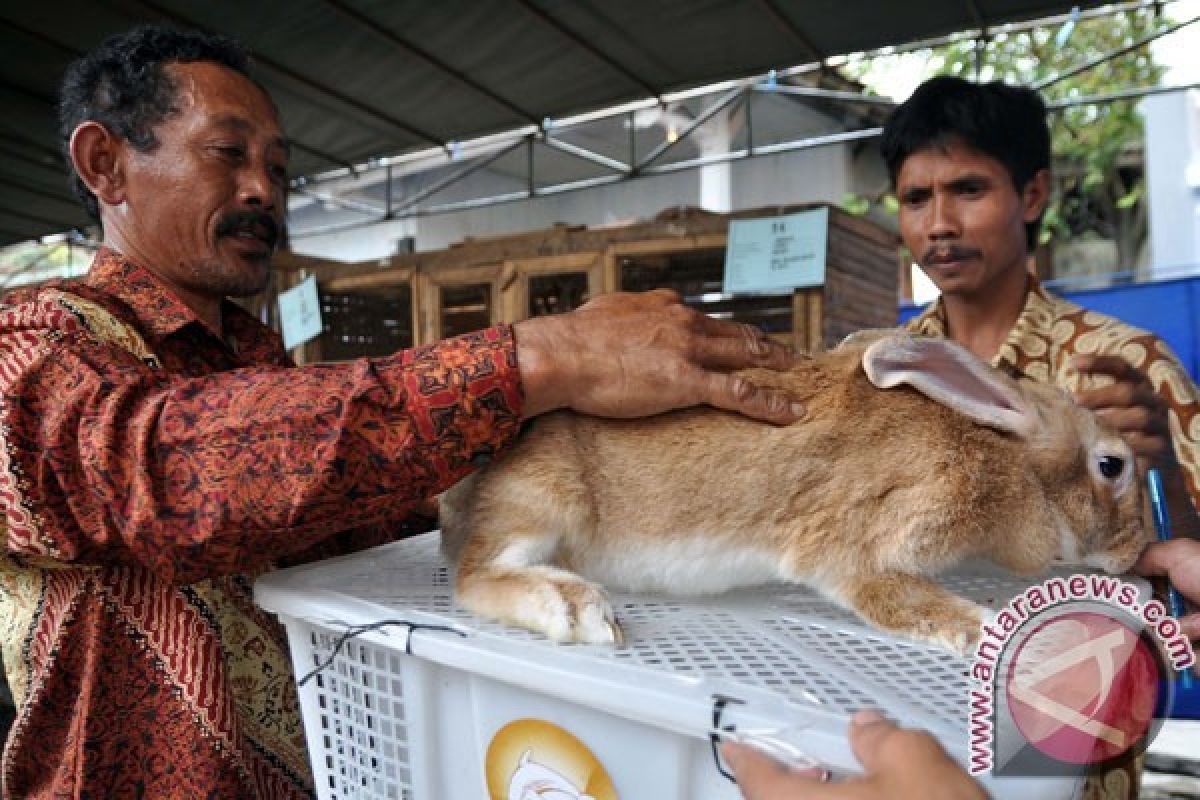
[(108, 461), (1172, 383)]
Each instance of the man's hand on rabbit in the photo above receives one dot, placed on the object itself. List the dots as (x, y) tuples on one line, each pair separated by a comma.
[(1130, 404), (899, 764), (633, 355)]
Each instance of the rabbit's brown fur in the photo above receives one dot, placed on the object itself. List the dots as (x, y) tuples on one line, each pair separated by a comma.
[(868, 495)]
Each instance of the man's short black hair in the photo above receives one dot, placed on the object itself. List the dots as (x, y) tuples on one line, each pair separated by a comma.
[(1005, 122), (123, 86)]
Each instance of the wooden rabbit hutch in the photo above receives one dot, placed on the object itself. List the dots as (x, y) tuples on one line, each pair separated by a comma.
[(375, 308)]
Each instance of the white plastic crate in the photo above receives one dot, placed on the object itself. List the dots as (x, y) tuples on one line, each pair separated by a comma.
[(412, 717)]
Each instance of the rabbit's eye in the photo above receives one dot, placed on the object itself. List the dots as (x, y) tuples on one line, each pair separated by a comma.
[(1111, 466)]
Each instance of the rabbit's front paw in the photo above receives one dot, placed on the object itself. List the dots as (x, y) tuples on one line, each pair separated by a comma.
[(959, 636), (550, 601), (914, 606), (572, 610)]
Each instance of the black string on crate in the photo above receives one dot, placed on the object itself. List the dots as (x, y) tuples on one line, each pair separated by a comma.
[(358, 630), (714, 734)]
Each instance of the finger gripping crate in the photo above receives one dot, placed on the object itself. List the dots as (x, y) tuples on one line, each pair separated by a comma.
[(460, 709)]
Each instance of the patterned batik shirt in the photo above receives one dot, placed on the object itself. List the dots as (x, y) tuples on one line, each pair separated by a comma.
[(149, 469), (1051, 330)]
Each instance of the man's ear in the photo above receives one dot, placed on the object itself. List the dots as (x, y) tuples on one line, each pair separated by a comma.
[(98, 158), (1036, 195)]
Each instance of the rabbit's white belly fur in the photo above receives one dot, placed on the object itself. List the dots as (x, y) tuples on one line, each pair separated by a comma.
[(690, 565)]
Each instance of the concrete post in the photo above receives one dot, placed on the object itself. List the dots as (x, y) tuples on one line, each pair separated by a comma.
[(716, 180), (1173, 182)]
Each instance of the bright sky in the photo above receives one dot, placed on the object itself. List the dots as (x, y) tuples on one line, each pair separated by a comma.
[(1177, 51)]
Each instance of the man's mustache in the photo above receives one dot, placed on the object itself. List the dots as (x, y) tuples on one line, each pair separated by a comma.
[(939, 254), (259, 223)]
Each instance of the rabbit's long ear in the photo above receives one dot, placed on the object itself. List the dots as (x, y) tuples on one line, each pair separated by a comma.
[(951, 375)]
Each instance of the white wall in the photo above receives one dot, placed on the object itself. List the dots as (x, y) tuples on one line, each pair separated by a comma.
[(1173, 181), (803, 176), (820, 174), (613, 204), (356, 244)]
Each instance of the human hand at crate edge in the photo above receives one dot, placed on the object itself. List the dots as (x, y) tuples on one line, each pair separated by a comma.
[(899, 764)]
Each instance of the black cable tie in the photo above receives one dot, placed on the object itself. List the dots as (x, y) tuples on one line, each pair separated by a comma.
[(714, 738), (357, 630)]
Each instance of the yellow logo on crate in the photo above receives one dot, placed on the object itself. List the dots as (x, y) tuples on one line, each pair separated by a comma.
[(531, 759)]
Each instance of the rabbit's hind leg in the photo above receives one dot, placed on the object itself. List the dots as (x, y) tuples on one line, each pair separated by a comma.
[(510, 582), (914, 606)]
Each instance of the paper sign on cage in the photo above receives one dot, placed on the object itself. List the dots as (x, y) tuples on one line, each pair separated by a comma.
[(300, 313), (776, 254)]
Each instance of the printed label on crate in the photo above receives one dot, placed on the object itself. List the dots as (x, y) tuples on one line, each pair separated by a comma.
[(531, 759)]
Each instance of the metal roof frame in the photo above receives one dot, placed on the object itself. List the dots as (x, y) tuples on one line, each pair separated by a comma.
[(743, 91), (31, 203)]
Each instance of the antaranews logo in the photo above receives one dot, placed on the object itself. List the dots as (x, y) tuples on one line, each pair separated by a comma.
[(1073, 675)]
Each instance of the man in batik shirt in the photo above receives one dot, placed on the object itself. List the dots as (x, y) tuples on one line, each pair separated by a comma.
[(157, 450), (970, 165)]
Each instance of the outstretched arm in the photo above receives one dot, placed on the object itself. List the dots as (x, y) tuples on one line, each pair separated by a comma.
[(632, 355)]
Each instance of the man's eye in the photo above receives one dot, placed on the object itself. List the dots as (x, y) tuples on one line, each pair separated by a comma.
[(230, 151)]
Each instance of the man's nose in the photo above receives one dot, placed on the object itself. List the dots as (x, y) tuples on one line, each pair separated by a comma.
[(256, 187), (943, 223)]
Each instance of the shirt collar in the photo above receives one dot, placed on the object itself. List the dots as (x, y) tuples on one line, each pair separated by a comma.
[(1029, 325), (160, 313)]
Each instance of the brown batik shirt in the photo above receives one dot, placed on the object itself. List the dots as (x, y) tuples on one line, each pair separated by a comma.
[(149, 469)]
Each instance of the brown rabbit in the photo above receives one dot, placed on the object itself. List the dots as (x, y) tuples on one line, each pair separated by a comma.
[(913, 456)]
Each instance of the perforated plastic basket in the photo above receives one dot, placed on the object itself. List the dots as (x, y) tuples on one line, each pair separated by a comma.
[(419, 716)]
